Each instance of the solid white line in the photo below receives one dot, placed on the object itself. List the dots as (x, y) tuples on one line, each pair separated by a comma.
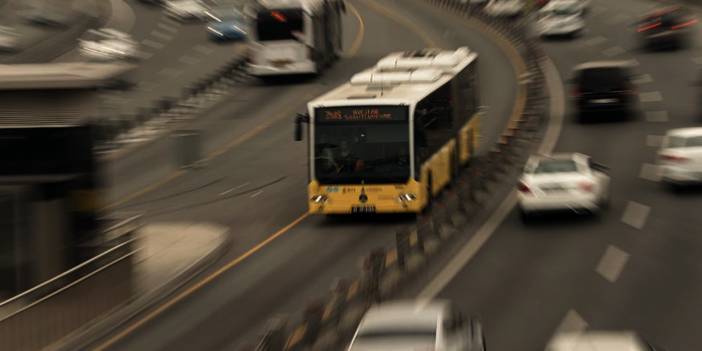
[(256, 194), (612, 263), (595, 41), (654, 140), (613, 51), (643, 79), (203, 49), (650, 172), (657, 116), (161, 35), (651, 96), (636, 214), (234, 188), (471, 248), (152, 44)]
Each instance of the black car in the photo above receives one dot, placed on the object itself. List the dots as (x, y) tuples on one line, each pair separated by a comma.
[(603, 86), (666, 28)]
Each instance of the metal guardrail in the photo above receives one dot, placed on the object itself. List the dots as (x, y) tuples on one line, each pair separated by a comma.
[(47, 312), (327, 322)]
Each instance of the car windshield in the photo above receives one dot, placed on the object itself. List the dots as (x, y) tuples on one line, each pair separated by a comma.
[(425, 336), (678, 141), (603, 78), (556, 166), (561, 10), (362, 152), (279, 24)]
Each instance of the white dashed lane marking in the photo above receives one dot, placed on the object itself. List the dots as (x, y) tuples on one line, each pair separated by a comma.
[(613, 51), (636, 214), (612, 263), (643, 79), (654, 140), (188, 60), (152, 44), (650, 172), (595, 41), (203, 49), (161, 35), (651, 96), (256, 194), (234, 188), (170, 72), (656, 116), (167, 27)]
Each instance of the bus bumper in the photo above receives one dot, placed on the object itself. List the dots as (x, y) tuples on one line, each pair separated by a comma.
[(304, 67), (369, 199)]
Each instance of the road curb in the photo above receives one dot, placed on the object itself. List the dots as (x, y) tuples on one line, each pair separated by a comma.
[(86, 337)]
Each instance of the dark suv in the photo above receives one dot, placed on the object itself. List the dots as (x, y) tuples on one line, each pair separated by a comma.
[(603, 86), (666, 28)]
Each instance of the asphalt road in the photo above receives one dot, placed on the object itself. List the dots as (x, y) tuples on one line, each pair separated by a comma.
[(255, 183), (635, 267)]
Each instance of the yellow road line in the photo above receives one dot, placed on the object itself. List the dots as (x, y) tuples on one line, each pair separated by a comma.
[(195, 287), (358, 40), (212, 276)]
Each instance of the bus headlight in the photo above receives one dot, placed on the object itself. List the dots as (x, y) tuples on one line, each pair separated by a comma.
[(318, 199), (407, 197)]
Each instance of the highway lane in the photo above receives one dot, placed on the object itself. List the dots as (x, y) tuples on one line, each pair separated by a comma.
[(257, 187), (632, 268)]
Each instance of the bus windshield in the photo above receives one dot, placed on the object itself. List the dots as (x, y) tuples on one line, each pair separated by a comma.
[(279, 24), (364, 151)]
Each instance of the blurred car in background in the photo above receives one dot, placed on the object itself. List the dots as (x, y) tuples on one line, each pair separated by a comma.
[(600, 341), (228, 24), (408, 325), (504, 8), (9, 39), (669, 27), (680, 157), (46, 14), (603, 86), (108, 44), (571, 182), (186, 10), (561, 18)]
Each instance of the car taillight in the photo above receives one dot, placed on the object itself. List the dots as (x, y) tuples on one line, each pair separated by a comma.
[(674, 158), (684, 24), (645, 27), (586, 186), (523, 188)]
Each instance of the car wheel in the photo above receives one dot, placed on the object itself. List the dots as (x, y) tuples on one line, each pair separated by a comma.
[(525, 216)]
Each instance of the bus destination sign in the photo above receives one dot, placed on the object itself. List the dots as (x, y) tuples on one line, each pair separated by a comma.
[(361, 114)]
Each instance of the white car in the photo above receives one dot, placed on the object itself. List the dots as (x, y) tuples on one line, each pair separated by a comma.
[(599, 341), (108, 44), (563, 182), (560, 17), (186, 10), (504, 8), (409, 325), (9, 39), (680, 156)]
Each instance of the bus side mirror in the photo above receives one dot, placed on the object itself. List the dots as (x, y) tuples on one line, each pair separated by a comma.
[(299, 120)]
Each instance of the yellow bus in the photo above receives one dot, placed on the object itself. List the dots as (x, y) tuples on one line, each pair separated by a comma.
[(395, 135)]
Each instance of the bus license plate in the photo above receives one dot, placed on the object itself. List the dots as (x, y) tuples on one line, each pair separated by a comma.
[(362, 209)]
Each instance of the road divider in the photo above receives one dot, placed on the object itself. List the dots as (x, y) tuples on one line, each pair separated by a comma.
[(329, 322)]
